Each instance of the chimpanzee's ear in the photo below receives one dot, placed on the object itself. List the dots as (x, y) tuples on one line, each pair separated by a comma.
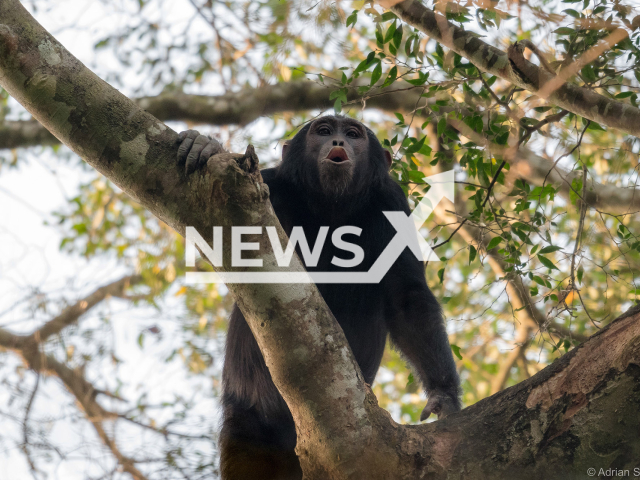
[(387, 157), (285, 147)]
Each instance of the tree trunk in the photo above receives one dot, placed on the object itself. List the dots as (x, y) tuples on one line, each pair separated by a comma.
[(581, 412)]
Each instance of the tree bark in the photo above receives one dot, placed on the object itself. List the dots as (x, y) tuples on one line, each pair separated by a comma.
[(581, 412)]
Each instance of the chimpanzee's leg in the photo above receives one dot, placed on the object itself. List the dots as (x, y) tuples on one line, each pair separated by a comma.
[(252, 449), (258, 435)]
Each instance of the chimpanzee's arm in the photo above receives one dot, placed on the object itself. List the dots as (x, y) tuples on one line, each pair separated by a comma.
[(416, 325)]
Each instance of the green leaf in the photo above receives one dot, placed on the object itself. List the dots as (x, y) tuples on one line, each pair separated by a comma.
[(393, 73), (352, 19), (550, 249), (547, 263), (397, 37), (441, 275), (442, 125), (595, 126), (421, 80), (379, 37), (495, 241), (102, 43), (472, 253), (572, 12), (408, 45), (337, 106), (456, 351), (451, 133), (366, 63), (410, 380), (588, 73), (376, 74), (390, 32), (386, 16), (539, 281), (580, 273), (415, 146), (564, 31)]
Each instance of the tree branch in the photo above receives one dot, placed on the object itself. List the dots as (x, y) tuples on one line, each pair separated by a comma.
[(487, 58), (84, 392), (71, 314), (221, 110), (240, 108)]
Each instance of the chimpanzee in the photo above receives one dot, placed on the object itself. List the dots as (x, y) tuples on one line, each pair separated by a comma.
[(334, 172)]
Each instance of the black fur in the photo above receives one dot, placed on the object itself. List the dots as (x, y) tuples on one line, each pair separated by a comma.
[(258, 434)]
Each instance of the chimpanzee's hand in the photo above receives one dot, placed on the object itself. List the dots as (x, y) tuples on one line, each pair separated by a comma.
[(440, 403), (195, 150)]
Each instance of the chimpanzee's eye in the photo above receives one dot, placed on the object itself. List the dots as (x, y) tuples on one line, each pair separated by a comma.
[(353, 134), (324, 131)]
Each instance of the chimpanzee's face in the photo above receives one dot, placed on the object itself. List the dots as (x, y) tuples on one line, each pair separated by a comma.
[(340, 148)]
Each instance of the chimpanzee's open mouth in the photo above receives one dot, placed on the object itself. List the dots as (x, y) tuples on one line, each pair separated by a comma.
[(338, 155)]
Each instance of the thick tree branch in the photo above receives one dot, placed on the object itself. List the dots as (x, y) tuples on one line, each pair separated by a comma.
[(223, 110), (24, 133), (487, 58), (248, 104), (234, 108), (578, 413)]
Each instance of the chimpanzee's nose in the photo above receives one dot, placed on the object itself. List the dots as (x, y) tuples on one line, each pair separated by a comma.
[(337, 143)]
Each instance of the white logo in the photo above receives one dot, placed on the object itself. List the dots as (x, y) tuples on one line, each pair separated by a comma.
[(407, 236)]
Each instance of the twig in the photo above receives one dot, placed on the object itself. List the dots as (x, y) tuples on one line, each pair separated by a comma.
[(493, 94), (583, 214), (25, 428), (547, 120)]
